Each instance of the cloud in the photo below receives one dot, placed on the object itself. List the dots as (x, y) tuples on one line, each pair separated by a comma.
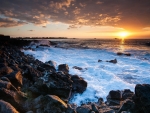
[(31, 30), (127, 14), (8, 22)]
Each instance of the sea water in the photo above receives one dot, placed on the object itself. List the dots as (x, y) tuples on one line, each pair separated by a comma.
[(101, 76)]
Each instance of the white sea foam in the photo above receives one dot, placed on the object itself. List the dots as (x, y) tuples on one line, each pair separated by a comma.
[(101, 76)]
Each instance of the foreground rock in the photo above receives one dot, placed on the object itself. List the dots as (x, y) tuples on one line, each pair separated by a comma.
[(5, 107)]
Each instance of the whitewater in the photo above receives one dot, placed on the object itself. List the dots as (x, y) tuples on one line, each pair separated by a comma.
[(101, 76)]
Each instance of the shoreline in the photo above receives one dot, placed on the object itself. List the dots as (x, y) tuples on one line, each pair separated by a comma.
[(20, 75)]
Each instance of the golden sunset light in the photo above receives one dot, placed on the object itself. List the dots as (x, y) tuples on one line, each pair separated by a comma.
[(75, 18)]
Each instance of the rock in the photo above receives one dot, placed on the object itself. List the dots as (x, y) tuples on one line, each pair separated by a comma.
[(12, 97), (115, 95), (128, 105), (84, 109), (94, 108), (55, 84), (5, 107), (46, 104), (113, 61), (48, 66), (31, 73), (78, 68), (127, 94), (5, 70), (142, 97), (52, 63), (99, 60), (15, 78), (63, 68), (127, 54), (7, 85), (119, 53), (79, 85), (70, 109), (114, 98), (103, 108)]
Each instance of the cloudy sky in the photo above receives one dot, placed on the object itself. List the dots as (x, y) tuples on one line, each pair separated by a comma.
[(75, 18)]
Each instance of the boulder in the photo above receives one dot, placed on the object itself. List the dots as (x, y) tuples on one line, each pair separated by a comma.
[(5, 70), (127, 105), (51, 63), (127, 94), (6, 107), (119, 53), (31, 73), (15, 78), (84, 109), (48, 67), (78, 68), (7, 85), (46, 104), (114, 98), (113, 61), (142, 97), (79, 84), (12, 97), (59, 84), (63, 68)]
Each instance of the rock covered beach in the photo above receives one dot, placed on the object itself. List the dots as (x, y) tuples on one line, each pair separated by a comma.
[(28, 85)]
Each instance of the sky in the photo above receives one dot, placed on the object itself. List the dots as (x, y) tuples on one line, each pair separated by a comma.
[(75, 18)]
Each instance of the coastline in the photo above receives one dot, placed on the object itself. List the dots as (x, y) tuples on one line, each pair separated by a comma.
[(21, 75)]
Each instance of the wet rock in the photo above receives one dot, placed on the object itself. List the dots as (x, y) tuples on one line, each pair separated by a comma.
[(6, 107), (116, 95), (48, 66), (84, 109), (79, 84), (15, 78), (55, 84), (127, 54), (127, 94), (128, 105), (7, 85), (31, 73), (5, 70), (63, 68), (78, 68), (114, 98), (52, 63), (95, 108), (113, 61), (142, 97), (12, 97), (46, 104), (99, 60), (119, 53)]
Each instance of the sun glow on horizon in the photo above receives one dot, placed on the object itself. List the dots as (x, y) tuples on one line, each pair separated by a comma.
[(123, 34)]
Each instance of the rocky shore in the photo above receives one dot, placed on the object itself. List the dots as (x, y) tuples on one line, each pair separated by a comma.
[(28, 85)]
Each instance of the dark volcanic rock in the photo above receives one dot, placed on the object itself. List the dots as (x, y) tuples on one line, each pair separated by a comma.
[(142, 98), (79, 85), (116, 95), (15, 78), (5, 70), (84, 109), (63, 68), (31, 73), (55, 84), (46, 104), (127, 94), (5, 107), (12, 97), (78, 68), (113, 61), (7, 85)]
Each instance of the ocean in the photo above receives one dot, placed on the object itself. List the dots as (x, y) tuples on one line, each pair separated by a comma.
[(101, 76)]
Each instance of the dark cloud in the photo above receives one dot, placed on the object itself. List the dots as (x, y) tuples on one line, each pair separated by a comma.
[(8, 22), (31, 30), (128, 14)]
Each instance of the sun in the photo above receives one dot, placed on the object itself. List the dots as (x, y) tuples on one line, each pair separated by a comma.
[(123, 34)]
